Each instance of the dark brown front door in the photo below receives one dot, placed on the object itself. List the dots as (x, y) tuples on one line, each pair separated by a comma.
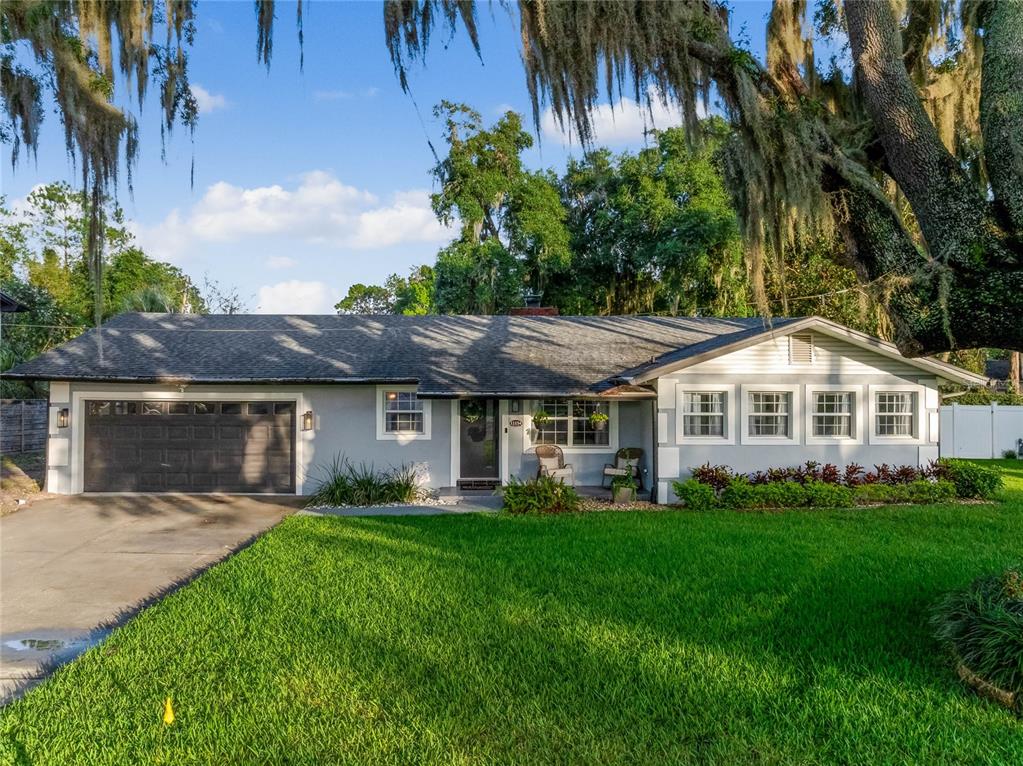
[(478, 442), (197, 446)]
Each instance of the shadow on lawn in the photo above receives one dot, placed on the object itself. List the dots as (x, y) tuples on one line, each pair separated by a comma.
[(797, 607)]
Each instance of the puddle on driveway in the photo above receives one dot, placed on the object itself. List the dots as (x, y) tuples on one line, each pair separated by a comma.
[(27, 649)]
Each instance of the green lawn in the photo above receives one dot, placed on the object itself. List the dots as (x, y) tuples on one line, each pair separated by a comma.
[(796, 637)]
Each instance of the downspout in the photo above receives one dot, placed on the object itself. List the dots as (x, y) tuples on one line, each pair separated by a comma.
[(654, 484)]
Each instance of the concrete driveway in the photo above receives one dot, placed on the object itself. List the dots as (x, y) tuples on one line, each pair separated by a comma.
[(71, 567)]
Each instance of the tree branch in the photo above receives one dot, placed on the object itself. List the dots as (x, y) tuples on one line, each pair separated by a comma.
[(950, 211)]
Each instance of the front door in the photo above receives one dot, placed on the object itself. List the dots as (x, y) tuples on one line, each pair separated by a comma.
[(478, 443)]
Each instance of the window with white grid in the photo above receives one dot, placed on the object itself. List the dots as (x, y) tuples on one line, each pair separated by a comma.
[(403, 413), (770, 413), (703, 413), (893, 413), (832, 414), (570, 423)]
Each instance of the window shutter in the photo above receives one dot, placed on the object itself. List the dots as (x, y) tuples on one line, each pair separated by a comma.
[(801, 348)]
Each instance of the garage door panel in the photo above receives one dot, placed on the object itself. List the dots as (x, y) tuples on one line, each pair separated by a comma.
[(190, 446)]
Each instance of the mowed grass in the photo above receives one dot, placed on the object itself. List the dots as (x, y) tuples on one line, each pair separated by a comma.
[(658, 637)]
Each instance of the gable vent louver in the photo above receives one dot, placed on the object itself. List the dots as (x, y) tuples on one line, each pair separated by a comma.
[(801, 348)]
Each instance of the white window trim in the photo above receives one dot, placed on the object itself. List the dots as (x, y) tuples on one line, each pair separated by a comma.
[(728, 390), (80, 400), (402, 438), (795, 414), (918, 413), (612, 431), (857, 420)]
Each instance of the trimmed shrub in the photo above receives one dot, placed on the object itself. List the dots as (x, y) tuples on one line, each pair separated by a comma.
[(783, 494), (982, 627), (696, 495), (972, 480), (867, 494), (343, 483), (544, 494), (820, 494), (740, 494), (925, 492)]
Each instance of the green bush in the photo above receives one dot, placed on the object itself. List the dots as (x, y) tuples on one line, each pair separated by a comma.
[(926, 492), (782, 494), (544, 494), (696, 495), (866, 494), (970, 479), (819, 494), (982, 626), (343, 483), (741, 495)]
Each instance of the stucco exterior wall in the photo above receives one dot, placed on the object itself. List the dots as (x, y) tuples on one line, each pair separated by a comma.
[(345, 423), (344, 416)]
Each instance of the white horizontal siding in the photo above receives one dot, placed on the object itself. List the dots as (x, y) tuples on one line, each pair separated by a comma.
[(831, 357)]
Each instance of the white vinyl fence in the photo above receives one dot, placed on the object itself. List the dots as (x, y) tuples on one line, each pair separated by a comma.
[(983, 431)]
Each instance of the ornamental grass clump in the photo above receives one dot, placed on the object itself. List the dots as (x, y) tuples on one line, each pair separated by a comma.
[(981, 626), (343, 483), (544, 494)]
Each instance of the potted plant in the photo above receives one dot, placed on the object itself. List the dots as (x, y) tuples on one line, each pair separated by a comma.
[(598, 421), (541, 418), (623, 489)]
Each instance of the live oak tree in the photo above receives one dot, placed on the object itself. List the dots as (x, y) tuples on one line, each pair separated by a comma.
[(915, 158)]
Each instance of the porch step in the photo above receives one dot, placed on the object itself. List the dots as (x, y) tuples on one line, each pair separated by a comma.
[(479, 484)]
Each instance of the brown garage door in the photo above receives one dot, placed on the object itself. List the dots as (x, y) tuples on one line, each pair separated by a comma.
[(201, 446)]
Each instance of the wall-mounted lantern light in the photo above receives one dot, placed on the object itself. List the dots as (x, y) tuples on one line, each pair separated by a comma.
[(63, 417), (307, 420)]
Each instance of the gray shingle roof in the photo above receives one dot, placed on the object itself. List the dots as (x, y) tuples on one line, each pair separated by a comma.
[(446, 355)]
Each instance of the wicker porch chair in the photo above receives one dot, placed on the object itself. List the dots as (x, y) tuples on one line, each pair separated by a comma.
[(552, 463), (626, 462)]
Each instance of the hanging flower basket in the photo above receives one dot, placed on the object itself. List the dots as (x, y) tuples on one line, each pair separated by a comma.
[(541, 419), (598, 421)]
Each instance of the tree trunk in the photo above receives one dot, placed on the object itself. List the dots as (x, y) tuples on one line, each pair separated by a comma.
[(1014, 371), (1001, 106), (959, 292)]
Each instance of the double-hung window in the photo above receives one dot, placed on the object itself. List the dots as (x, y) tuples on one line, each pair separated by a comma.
[(832, 414), (893, 413), (572, 423), (403, 413), (703, 413), (770, 414)]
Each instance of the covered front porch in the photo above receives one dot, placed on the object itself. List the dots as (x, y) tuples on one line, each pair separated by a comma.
[(495, 440)]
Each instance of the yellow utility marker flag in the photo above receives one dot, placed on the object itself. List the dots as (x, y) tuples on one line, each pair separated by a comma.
[(168, 712)]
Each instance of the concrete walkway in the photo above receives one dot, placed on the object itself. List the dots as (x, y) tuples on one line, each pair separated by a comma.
[(70, 567)]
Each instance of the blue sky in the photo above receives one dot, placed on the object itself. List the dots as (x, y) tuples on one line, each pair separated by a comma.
[(309, 181)]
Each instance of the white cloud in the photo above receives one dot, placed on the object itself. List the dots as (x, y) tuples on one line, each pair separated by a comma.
[(280, 262), (320, 210), (626, 123), (344, 95), (296, 297), (208, 102), (331, 95)]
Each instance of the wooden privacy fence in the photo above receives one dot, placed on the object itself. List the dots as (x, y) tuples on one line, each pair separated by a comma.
[(982, 431), (23, 425)]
